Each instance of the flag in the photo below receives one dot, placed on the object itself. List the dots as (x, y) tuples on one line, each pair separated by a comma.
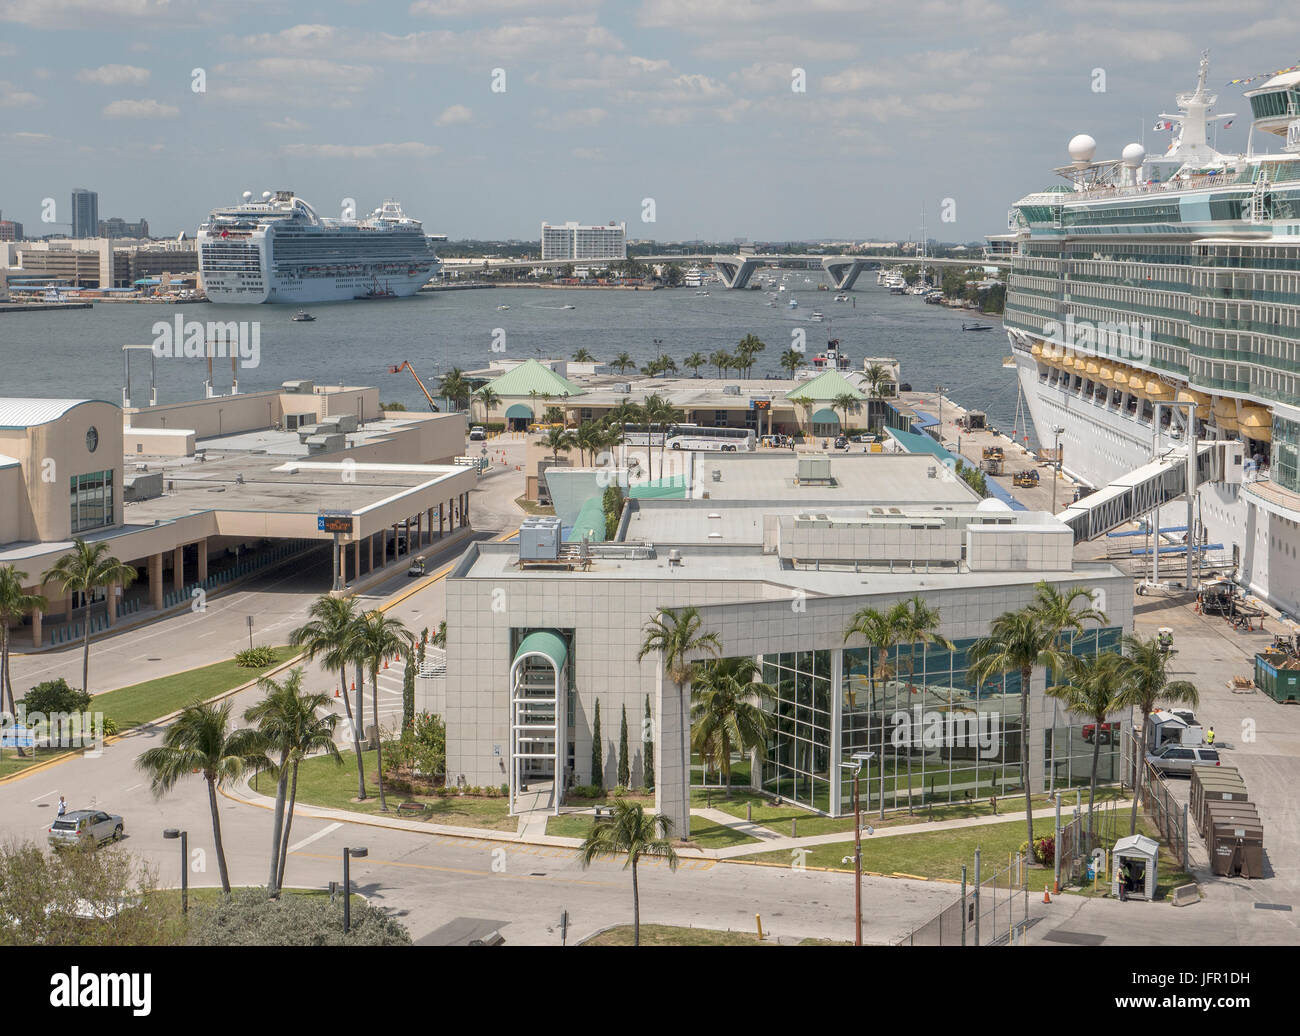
[(1227, 124), (1163, 124)]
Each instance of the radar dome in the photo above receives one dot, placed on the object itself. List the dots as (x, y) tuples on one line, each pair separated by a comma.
[(247, 195), (1133, 155), (992, 504), (266, 195), (1082, 148)]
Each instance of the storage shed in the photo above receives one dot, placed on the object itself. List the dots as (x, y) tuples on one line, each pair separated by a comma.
[(1133, 863)]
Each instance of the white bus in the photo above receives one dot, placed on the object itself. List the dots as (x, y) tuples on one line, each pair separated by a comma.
[(691, 437)]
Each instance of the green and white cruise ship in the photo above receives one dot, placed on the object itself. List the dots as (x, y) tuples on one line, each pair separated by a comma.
[(1149, 280)]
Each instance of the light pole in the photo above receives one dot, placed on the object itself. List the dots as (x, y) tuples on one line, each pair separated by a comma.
[(1057, 431), (857, 760), (184, 836), (347, 886)]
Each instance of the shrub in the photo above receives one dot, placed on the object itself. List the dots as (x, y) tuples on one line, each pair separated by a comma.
[(256, 657), (419, 755), (53, 696), (504, 789), (249, 918), (1044, 850), (588, 791)]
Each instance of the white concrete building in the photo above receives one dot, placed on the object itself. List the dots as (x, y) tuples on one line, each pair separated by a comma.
[(578, 242)]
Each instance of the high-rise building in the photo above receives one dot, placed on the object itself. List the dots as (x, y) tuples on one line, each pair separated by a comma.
[(10, 230), (115, 226), (85, 213), (575, 241)]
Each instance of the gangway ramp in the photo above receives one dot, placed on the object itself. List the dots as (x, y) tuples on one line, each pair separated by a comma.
[(1153, 485)]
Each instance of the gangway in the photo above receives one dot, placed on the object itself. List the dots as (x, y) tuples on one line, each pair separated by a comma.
[(406, 365), (1151, 486)]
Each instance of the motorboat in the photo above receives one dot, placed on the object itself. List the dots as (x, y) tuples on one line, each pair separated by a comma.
[(302, 317)]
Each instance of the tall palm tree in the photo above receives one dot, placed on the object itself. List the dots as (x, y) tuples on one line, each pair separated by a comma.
[(83, 570), (487, 398), (289, 726), (845, 402), (876, 376), (659, 413), (439, 639), (1147, 683), (791, 360), (1093, 688), (1017, 642), (721, 359), (559, 440), (1062, 612), (882, 630), (588, 439), (583, 356), (918, 623), (747, 348), (376, 637), (15, 605), (629, 830), (727, 713), (327, 635), (694, 362), (453, 387), (622, 362), (675, 634), (202, 741), (807, 402), (532, 401)]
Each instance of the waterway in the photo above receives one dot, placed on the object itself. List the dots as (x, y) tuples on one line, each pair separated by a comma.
[(78, 353)]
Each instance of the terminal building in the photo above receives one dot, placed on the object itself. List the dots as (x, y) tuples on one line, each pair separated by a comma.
[(575, 241), (195, 494), (778, 555)]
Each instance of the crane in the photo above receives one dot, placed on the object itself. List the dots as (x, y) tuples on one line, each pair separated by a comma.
[(406, 365)]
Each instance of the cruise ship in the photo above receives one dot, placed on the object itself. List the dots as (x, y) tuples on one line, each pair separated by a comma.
[(1174, 279), (279, 249)]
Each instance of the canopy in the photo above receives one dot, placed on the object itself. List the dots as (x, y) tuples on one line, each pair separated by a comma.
[(544, 642), (520, 411), (826, 416)]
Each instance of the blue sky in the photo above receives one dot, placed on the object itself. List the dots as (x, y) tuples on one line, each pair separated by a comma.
[(689, 102)]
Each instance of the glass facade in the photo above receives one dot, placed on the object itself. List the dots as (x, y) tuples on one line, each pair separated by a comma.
[(936, 736), (1286, 453), (91, 500)]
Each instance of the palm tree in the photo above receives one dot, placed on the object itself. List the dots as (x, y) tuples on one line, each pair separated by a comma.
[(807, 402), (15, 605), (583, 356), (675, 634), (559, 440), (327, 634), (1016, 642), (83, 570), (791, 360), (201, 741), (376, 637), (882, 630), (288, 725), (746, 349), (845, 402), (918, 623), (660, 413), (589, 438), (532, 401), (453, 387), (629, 830), (727, 713), (487, 398), (694, 362), (1146, 683), (439, 639), (876, 376), (622, 362), (721, 359), (1093, 689)]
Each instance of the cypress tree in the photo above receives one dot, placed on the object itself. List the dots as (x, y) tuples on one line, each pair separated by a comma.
[(597, 756), (624, 771), (648, 741)]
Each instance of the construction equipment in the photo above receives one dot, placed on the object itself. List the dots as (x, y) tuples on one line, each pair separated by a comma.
[(1027, 479), (993, 460), (406, 365)]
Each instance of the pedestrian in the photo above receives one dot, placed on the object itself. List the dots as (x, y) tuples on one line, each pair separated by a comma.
[(63, 806), (1209, 737)]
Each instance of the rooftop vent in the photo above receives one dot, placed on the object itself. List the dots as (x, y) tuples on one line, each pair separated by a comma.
[(812, 470), (731, 390), (674, 557), (717, 474)]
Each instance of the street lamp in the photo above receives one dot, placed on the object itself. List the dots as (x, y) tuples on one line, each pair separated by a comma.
[(1057, 431), (184, 836), (857, 761), (347, 884)]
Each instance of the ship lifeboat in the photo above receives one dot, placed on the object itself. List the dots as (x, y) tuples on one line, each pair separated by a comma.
[(1093, 368), (1036, 349), (1067, 360), (1256, 422), (1158, 390), (1202, 401), (1225, 414), (1106, 375)]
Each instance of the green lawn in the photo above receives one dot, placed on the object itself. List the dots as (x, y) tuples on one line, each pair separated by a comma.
[(704, 833), (1168, 873), (930, 854), (142, 702), (11, 763), (323, 782), (669, 935)]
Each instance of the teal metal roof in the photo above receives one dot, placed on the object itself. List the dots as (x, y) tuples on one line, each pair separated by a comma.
[(590, 523), (825, 387), (531, 376), (544, 642), (672, 487)]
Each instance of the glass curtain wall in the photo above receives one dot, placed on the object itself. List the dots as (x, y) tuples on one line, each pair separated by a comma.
[(797, 758)]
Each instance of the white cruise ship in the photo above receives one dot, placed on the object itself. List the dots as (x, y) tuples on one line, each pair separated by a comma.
[(280, 250), (1174, 279)]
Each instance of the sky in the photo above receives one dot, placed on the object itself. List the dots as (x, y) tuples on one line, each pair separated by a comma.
[(749, 119)]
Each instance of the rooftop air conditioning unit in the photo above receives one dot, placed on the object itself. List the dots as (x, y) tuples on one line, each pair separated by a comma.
[(674, 557), (717, 474), (931, 472), (539, 539), (731, 390)]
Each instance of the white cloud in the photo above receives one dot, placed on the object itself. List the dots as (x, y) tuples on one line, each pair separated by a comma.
[(286, 125), (142, 109), (477, 8), (114, 75), (299, 81), (12, 97), (577, 118), (588, 154), (406, 149), (78, 14), (456, 115)]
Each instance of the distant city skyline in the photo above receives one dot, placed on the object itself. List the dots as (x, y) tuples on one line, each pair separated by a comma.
[(688, 119)]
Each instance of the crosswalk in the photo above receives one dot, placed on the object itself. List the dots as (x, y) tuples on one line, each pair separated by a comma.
[(555, 852)]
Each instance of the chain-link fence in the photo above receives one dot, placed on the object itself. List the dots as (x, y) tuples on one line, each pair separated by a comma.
[(992, 910), (1166, 812)]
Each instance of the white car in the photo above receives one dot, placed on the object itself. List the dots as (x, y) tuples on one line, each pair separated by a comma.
[(85, 827), (478, 433), (1181, 758)]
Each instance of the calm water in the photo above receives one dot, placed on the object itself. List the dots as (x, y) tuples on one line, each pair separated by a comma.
[(78, 352)]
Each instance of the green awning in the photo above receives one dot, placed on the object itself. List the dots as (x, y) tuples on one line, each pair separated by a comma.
[(520, 411), (826, 416), (544, 642)]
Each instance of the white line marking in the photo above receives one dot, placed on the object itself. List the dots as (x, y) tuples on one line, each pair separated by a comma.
[(46, 795), (311, 838), (133, 787)]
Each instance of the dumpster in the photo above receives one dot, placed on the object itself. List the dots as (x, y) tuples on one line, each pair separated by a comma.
[(1215, 792), (1278, 675), (1237, 847), (1133, 868), (1225, 780)]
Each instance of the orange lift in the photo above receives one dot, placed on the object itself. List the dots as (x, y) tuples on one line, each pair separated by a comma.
[(406, 365)]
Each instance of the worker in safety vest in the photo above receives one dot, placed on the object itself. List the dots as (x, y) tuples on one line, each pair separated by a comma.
[(1209, 736)]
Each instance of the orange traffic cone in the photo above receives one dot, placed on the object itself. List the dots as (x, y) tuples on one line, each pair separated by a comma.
[(397, 657), (1047, 898), (354, 686), (336, 692), (385, 663)]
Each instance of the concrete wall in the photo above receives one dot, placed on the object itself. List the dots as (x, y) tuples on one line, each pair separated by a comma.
[(250, 411), (158, 442)]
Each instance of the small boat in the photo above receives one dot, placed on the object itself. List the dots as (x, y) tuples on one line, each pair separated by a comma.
[(817, 314), (702, 293), (566, 306), (841, 298), (303, 317), (794, 303), (977, 327), (502, 307)]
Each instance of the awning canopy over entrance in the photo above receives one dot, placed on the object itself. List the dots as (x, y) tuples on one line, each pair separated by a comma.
[(544, 642), (519, 411)]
